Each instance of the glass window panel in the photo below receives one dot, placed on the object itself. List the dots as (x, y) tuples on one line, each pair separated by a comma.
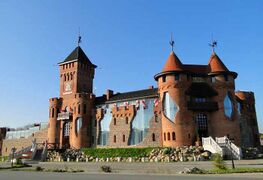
[(140, 123), (239, 108), (105, 125), (228, 107), (169, 107), (78, 124)]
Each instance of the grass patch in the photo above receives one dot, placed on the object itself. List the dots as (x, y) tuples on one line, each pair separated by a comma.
[(236, 170), (117, 152)]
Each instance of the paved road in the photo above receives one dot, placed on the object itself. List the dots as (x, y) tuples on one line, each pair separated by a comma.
[(14, 175)]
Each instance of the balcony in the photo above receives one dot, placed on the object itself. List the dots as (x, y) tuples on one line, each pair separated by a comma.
[(202, 106), (64, 116)]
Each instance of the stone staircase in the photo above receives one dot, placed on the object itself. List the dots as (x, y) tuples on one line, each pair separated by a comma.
[(34, 153), (222, 146)]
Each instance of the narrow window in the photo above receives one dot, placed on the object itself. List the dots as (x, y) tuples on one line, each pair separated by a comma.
[(84, 109), (114, 121), (114, 138), (173, 136), (164, 78), (168, 136), (123, 138), (127, 120), (78, 108), (155, 117), (153, 137), (226, 77), (68, 76), (213, 79), (189, 135), (72, 64), (65, 77), (52, 112), (164, 136), (177, 77), (69, 65)]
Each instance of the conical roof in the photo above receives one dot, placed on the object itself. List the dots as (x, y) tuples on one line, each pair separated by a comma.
[(173, 63), (216, 65)]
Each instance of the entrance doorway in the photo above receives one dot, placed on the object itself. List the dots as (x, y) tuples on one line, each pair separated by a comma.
[(201, 121), (66, 132)]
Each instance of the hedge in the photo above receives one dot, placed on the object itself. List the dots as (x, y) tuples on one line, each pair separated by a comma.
[(117, 152)]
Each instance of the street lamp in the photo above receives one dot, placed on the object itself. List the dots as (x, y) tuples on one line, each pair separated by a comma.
[(232, 158)]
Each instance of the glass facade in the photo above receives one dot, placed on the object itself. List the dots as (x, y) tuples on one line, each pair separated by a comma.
[(169, 107), (228, 107), (25, 133), (105, 125), (140, 123)]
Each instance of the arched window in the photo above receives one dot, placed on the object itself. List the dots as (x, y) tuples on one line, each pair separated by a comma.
[(153, 137), (164, 136), (114, 138), (169, 107), (123, 138), (168, 136), (173, 136), (66, 129), (78, 124), (228, 107)]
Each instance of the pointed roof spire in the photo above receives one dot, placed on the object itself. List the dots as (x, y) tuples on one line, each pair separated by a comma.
[(173, 63), (216, 65)]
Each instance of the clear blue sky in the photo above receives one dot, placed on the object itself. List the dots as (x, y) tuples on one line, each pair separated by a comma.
[(128, 40)]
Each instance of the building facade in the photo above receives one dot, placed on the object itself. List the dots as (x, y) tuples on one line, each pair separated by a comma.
[(190, 102)]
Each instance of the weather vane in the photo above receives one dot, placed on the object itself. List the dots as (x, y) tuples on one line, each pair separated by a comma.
[(213, 44), (172, 42), (79, 38)]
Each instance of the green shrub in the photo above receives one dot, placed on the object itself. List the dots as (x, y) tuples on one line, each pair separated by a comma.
[(218, 162), (117, 152)]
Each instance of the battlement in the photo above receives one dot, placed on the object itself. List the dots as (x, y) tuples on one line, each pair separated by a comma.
[(123, 111)]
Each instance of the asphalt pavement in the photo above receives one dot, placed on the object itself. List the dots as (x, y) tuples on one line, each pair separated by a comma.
[(15, 175)]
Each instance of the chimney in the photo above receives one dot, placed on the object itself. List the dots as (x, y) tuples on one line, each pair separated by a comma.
[(109, 93)]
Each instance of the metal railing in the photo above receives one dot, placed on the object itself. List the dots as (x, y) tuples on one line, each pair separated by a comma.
[(210, 144)]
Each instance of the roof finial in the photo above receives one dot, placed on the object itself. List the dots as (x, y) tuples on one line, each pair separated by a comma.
[(79, 38), (213, 44), (172, 42)]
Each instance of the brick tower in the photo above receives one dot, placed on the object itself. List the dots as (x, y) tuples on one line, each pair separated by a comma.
[(70, 114), (177, 125), (197, 101)]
